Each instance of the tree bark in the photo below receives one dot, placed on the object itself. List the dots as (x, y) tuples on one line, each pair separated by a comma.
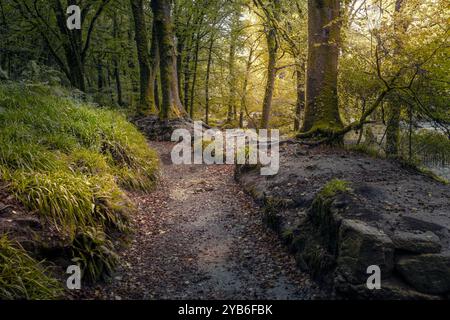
[(194, 79), (157, 99), (168, 70), (75, 51), (395, 108), (231, 114), (116, 66), (100, 78), (393, 128), (321, 109), (154, 66), (272, 47), (73, 48), (181, 39), (244, 87), (208, 74), (300, 103), (140, 28)]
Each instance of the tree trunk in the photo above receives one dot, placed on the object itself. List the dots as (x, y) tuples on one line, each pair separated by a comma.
[(118, 83), (321, 110), (363, 110), (140, 27), (75, 51), (194, 80), (154, 65), (244, 87), (272, 47), (270, 84), (231, 115), (157, 99), (395, 108), (187, 78), (73, 48), (231, 82), (116, 65), (393, 128), (181, 39), (208, 74), (178, 108), (180, 49), (100, 79), (168, 71), (300, 103)]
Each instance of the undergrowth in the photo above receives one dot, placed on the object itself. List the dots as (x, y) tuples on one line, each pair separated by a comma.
[(22, 277), (428, 147), (334, 186), (69, 162)]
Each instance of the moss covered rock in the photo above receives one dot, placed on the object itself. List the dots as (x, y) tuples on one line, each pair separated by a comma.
[(361, 246), (428, 273)]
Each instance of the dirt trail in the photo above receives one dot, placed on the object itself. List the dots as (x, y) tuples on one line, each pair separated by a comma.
[(198, 236)]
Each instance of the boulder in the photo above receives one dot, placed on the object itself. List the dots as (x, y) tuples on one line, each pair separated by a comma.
[(361, 246), (428, 273), (424, 242)]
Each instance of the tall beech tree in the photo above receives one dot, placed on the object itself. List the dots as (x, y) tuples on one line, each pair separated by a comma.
[(321, 109), (272, 14), (168, 61)]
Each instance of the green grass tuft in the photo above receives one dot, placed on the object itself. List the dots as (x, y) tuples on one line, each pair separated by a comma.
[(22, 277), (95, 254), (333, 187)]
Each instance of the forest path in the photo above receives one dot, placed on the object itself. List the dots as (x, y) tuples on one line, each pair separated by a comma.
[(198, 236)]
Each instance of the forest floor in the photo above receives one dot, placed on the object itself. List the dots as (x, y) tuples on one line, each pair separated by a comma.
[(198, 236)]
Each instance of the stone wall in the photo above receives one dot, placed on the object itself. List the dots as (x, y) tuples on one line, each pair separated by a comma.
[(337, 235)]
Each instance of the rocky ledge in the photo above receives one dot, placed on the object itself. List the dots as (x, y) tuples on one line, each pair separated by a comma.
[(340, 212)]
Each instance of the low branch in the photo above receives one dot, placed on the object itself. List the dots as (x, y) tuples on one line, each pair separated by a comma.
[(91, 28), (332, 135)]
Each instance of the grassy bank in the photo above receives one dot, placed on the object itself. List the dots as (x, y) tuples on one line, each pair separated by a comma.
[(70, 163)]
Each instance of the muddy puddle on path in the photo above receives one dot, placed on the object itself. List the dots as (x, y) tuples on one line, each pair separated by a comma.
[(198, 236)]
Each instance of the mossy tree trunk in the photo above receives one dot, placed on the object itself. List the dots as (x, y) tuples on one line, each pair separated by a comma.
[(321, 109), (154, 66), (146, 98), (168, 70), (180, 34)]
